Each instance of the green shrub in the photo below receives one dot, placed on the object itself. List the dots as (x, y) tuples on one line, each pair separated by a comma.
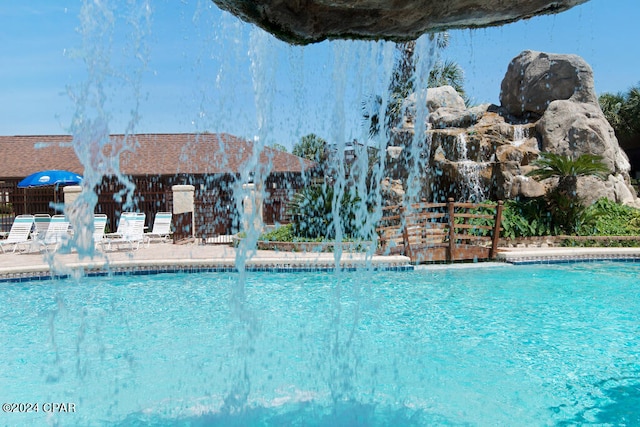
[(527, 218), (482, 210), (532, 218), (312, 213), (281, 234), (611, 219)]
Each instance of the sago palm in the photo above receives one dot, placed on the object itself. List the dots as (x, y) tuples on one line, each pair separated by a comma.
[(568, 169), (566, 208)]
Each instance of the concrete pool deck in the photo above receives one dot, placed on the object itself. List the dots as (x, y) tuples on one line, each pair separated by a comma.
[(169, 257)]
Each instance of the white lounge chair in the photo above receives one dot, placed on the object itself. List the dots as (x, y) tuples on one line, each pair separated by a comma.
[(99, 225), (41, 222), (19, 233), (161, 228), (123, 224), (130, 231), (57, 233)]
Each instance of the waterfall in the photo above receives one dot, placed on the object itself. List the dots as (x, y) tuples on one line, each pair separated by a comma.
[(519, 135), (472, 188)]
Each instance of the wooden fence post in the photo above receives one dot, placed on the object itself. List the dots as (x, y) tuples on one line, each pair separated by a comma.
[(496, 230), (452, 229), (405, 232)]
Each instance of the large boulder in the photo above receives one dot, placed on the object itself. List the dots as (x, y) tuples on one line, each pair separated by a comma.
[(524, 186), (443, 97), (535, 79), (310, 21), (446, 109), (392, 191), (572, 129), (616, 188)]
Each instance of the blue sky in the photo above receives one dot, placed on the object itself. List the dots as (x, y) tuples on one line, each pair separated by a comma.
[(164, 66)]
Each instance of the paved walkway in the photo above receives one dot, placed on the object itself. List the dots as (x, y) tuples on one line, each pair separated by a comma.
[(170, 257)]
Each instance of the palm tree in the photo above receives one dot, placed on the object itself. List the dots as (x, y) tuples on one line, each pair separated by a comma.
[(630, 111), (567, 209), (611, 105), (447, 73), (400, 87), (622, 111), (403, 83)]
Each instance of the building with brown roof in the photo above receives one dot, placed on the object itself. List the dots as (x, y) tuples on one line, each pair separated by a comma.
[(214, 163)]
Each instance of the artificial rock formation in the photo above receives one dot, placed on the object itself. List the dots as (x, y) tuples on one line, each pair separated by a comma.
[(310, 21), (485, 152), (535, 79)]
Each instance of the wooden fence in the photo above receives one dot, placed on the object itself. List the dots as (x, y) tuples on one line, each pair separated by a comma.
[(17, 201), (6, 207), (437, 232), (150, 197)]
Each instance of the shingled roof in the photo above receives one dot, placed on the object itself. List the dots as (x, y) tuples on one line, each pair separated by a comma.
[(142, 154)]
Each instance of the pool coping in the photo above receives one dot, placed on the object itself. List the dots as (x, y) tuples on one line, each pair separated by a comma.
[(525, 256), (22, 276)]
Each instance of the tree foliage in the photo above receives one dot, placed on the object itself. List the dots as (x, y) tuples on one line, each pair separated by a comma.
[(400, 87), (449, 73), (311, 147), (403, 83), (279, 147), (611, 105), (622, 111)]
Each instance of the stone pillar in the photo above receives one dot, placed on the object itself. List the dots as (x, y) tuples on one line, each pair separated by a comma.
[(183, 211), (252, 204), (71, 194)]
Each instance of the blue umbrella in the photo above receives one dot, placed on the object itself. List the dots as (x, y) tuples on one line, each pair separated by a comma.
[(50, 177)]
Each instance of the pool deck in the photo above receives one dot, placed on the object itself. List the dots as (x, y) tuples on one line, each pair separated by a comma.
[(160, 257)]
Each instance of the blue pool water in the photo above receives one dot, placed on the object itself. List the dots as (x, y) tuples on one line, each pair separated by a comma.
[(535, 345)]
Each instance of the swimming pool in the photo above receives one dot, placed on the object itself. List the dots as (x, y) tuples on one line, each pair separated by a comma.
[(508, 345)]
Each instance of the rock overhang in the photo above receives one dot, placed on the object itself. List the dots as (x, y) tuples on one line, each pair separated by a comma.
[(311, 21)]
